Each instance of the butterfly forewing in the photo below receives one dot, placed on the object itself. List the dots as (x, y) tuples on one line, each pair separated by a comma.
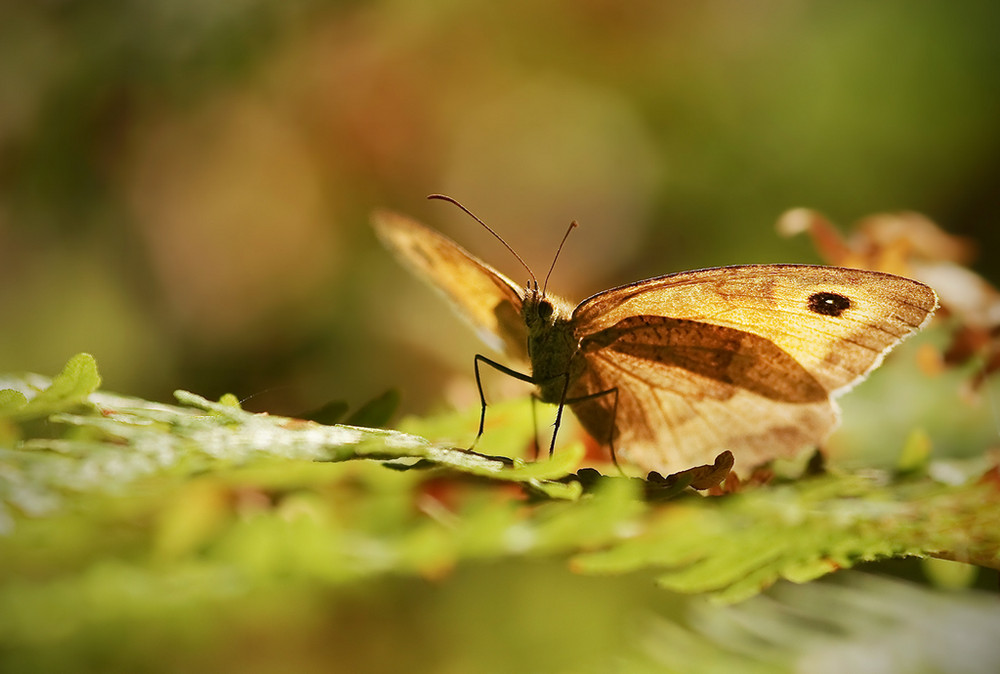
[(835, 322), (484, 297)]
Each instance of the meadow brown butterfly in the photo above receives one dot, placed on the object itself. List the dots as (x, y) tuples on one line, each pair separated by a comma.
[(672, 370)]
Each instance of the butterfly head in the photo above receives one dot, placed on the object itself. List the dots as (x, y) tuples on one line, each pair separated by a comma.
[(544, 309), (551, 340), (537, 309), (541, 311)]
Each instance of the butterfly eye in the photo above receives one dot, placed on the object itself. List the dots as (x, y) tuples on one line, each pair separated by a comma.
[(829, 304), (545, 310)]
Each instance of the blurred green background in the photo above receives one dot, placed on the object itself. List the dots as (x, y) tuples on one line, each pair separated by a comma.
[(185, 187)]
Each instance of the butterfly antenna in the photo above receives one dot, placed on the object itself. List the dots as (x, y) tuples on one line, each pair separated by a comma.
[(451, 200), (558, 250)]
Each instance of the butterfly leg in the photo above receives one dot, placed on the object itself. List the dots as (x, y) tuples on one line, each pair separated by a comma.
[(535, 447), (559, 411), (563, 401), (479, 385), (614, 416)]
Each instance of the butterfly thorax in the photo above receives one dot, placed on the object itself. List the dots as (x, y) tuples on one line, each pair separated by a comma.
[(551, 344)]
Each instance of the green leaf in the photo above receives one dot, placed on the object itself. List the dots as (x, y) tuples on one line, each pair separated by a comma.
[(330, 413), (11, 401), (377, 411), (230, 400), (916, 453), (736, 546), (78, 380), (125, 500)]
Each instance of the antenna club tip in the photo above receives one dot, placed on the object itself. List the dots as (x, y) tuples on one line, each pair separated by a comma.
[(450, 200)]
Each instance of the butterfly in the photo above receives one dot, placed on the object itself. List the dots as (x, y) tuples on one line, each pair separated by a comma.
[(672, 370)]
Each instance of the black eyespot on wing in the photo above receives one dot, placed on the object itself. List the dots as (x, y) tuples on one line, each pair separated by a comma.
[(545, 310), (829, 304)]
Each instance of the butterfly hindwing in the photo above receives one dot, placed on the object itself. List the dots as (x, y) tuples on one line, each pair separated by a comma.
[(666, 420)]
